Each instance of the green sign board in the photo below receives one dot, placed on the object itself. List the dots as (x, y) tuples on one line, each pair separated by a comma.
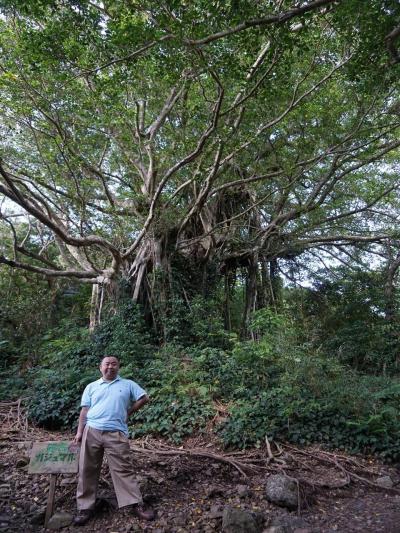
[(58, 457)]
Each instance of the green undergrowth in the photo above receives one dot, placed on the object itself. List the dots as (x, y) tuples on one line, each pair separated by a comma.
[(273, 385)]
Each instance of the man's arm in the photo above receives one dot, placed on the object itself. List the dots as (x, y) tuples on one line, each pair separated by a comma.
[(137, 405), (81, 425)]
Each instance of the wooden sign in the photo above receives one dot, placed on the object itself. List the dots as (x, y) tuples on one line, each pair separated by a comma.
[(58, 457)]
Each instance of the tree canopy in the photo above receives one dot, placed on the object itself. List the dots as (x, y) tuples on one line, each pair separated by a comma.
[(234, 133)]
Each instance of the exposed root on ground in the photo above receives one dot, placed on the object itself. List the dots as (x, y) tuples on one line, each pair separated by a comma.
[(283, 459), (13, 419), (349, 467)]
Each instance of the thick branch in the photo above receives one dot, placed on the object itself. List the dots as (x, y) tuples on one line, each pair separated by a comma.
[(88, 277), (390, 40), (279, 18), (48, 220)]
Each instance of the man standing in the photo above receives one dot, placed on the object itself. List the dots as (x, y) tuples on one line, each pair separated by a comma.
[(106, 406)]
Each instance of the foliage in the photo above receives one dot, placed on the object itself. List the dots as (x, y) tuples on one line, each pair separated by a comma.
[(346, 318), (125, 335), (359, 420), (56, 384), (223, 135), (277, 384), (174, 416), (55, 395)]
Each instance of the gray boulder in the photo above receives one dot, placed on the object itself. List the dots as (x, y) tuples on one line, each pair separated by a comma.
[(287, 524), (385, 482), (60, 520), (282, 491), (240, 521)]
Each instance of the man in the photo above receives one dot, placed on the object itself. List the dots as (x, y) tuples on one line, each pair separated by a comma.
[(106, 406)]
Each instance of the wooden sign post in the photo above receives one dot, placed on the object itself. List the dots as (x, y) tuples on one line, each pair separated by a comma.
[(58, 457)]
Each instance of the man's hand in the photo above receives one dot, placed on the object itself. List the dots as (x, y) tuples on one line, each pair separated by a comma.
[(77, 439), (136, 406), (81, 425)]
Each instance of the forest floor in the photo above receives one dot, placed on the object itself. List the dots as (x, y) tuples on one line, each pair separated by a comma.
[(189, 487)]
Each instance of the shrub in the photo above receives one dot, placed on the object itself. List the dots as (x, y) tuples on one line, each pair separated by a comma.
[(352, 417), (55, 399), (173, 415)]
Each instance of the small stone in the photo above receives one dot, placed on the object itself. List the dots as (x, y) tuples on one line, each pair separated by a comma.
[(214, 490), (215, 512), (21, 462), (24, 445), (242, 491), (59, 520), (385, 482), (70, 480)]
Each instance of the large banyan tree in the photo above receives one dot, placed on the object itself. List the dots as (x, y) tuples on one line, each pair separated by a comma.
[(211, 134)]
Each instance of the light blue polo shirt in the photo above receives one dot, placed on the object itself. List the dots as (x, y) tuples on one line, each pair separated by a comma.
[(108, 403)]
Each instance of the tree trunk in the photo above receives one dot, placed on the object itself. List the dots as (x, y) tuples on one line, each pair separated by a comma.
[(227, 302), (96, 305), (251, 294), (275, 284), (391, 312)]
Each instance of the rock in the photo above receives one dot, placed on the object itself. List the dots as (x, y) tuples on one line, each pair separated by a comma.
[(214, 490), (21, 462), (287, 524), (59, 520), (38, 518), (282, 491), (385, 482), (240, 521), (68, 480), (215, 512), (24, 445), (242, 491)]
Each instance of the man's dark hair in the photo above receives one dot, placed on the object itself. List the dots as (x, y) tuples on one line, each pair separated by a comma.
[(105, 356)]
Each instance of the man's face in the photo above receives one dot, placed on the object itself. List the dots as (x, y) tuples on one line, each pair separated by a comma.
[(109, 368)]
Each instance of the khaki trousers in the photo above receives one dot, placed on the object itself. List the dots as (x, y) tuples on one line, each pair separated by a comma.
[(116, 446)]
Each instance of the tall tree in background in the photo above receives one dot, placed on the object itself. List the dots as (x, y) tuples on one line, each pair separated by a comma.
[(228, 133)]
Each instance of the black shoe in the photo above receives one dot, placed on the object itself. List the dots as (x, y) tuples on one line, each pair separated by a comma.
[(83, 516), (140, 512)]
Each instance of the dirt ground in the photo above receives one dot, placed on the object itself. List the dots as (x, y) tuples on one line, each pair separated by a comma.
[(189, 492)]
